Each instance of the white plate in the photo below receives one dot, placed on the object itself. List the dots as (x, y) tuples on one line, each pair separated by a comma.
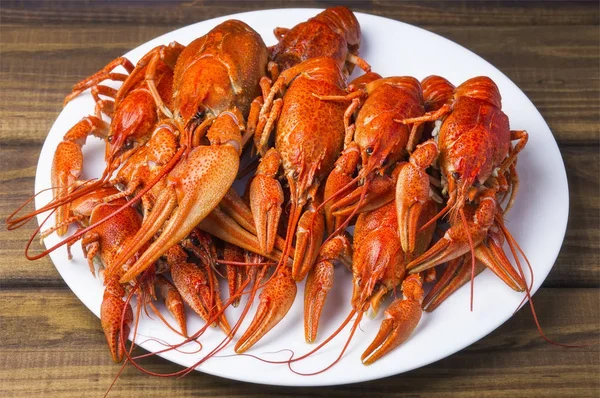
[(538, 222)]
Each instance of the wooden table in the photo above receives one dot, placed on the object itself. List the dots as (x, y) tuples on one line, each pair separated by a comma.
[(51, 345)]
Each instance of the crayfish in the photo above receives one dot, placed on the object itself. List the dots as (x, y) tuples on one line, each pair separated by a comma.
[(389, 156)]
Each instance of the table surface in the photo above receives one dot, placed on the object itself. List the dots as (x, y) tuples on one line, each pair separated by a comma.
[(52, 345)]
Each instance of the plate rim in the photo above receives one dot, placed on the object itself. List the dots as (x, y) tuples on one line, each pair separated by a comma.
[(292, 381)]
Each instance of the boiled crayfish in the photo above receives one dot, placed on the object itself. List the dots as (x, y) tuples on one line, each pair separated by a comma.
[(309, 134), (391, 156), (476, 160)]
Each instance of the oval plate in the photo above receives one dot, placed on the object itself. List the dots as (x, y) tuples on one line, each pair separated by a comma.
[(537, 221)]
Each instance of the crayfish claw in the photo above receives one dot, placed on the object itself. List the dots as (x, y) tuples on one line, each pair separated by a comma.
[(401, 319), (184, 203), (275, 301), (444, 250), (198, 287), (173, 301), (412, 193), (309, 236), (340, 182), (490, 253), (266, 199), (111, 313), (318, 285), (320, 281), (456, 274)]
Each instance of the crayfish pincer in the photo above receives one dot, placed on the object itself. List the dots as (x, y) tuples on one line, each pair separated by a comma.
[(216, 78)]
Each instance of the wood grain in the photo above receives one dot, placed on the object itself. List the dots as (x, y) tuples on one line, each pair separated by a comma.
[(551, 50), (429, 13), (65, 354)]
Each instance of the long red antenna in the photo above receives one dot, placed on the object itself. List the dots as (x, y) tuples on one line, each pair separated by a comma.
[(512, 244), (19, 222), (193, 337), (168, 167), (337, 193), (354, 327), (440, 214), (363, 194), (472, 248), (235, 328), (331, 337)]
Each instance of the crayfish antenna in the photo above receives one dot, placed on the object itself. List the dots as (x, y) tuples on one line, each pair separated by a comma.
[(258, 276), (439, 215), (512, 244), (195, 336), (331, 337), (452, 278), (170, 165), (338, 192), (472, 251), (343, 225), (14, 223)]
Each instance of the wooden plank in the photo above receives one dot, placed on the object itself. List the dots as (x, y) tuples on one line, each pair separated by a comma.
[(581, 247), (550, 50), (40, 66), (459, 13), (577, 264), (64, 354)]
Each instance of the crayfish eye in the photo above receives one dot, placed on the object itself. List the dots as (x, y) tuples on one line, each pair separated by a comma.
[(128, 143), (369, 150), (199, 114), (455, 175), (194, 239), (110, 139)]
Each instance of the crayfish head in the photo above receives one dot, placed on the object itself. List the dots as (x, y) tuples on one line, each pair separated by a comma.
[(85, 205), (466, 166), (204, 88), (381, 140), (378, 266), (375, 154), (131, 126), (190, 98), (189, 108)]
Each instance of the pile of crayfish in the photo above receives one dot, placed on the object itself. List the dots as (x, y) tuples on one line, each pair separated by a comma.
[(423, 170)]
